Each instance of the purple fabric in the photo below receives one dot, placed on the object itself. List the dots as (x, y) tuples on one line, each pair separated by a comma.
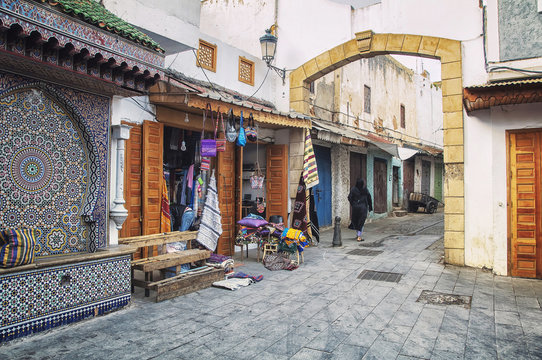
[(217, 258), (253, 223), (242, 275)]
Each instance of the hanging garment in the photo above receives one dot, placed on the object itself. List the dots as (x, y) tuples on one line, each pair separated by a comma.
[(165, 215), (211, 220), (315, 228), (310, 171), (300, 215), (190, 176)]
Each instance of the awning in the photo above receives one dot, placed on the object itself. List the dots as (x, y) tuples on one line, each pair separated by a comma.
[(76, 46), (263, 112), (406, 153), (336, 133)]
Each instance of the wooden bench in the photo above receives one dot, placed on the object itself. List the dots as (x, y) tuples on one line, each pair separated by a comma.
[(180, 283)]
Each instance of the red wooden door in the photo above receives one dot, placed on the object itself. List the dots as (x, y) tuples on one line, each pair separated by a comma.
[(226, 195), (153, 145), (408, 180), (525, 203), (380, 186), (277, 181)]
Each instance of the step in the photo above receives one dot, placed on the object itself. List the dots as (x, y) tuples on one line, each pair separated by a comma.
[(400, 213)]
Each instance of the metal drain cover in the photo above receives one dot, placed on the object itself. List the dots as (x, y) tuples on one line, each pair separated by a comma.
[(365, 252), (437, 298), (380, 276)]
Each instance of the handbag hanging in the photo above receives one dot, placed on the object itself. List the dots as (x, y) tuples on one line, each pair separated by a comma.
[(231, 132), (208, 146), (257, 178), (220, 143), (241, 139), (251, 132)]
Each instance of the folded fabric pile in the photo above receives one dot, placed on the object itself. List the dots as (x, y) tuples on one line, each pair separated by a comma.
[(233, 284), (293, 236), (252, 230), (221, 261)]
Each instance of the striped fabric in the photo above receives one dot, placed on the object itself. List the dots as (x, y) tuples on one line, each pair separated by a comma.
[(16, 247), (310, 171), (210, 228)]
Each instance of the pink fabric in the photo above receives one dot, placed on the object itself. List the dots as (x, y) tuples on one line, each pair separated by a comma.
[(190, 176)]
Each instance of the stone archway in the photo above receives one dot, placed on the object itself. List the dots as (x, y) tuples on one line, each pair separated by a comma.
[(369, 44)]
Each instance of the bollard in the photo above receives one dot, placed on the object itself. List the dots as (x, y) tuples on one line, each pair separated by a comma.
[(337, 241)]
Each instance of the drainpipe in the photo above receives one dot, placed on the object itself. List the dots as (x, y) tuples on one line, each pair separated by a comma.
[(119, 213)]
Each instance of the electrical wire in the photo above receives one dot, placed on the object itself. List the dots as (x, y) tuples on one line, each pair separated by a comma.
[(143, 107), (514, 69), (259, 87), (204, 73)]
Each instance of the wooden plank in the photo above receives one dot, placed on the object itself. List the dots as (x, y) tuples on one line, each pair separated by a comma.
[(159, 239), (168, 260), (154, 285), (189, 284)]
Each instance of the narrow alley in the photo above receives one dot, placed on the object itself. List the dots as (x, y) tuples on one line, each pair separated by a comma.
[(323, 310)]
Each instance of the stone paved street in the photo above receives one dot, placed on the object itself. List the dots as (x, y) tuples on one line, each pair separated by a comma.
[(323, 311)]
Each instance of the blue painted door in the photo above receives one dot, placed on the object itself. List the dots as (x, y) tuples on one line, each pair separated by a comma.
[(322, 191)]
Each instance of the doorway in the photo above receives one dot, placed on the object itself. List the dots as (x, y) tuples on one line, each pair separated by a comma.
[(524, 203), (380, 186), (426, 177), (395, 186), (408, 180), (322, 191)]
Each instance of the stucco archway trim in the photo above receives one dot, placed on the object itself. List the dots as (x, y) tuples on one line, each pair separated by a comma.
[(369, 44)]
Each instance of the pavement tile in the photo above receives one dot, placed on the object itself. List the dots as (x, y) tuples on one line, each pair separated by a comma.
[(396, 334), (507, 317), (446, 355), (418, 346), (382, 349), (527, 302), (362, 336), (287, 345), (311, 354)]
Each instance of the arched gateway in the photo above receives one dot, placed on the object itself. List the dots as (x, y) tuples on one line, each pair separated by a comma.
[(368, 44)]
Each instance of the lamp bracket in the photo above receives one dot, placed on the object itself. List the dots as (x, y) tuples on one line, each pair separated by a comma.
[(280, 72)]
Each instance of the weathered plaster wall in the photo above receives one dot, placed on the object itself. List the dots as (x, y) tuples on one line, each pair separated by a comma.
[(429, 111), (520, 29), (486, 200), (340, 182)]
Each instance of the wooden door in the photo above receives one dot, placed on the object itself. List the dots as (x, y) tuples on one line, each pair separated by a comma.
[(226, 197), (322, 191), (524, 207), (277, 181), (153, 147), (426, 177), (380, 186), (408, 180), (132, 183), (238, 183), (358, 168)]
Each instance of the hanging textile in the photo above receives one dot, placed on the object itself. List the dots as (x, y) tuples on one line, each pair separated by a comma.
[(165, 215), (315, 228), (310, 170), (300, 215), (211, 221)]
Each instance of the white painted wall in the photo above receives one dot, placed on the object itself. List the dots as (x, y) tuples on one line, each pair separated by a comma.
[(486, 199)]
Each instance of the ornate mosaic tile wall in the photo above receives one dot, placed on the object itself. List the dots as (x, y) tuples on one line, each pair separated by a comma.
[(53, 164), (42, 299)]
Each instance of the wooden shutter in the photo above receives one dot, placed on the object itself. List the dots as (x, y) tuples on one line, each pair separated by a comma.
[(153, 145), (132, 183), (525, 203), (277, 181), (226, 197)]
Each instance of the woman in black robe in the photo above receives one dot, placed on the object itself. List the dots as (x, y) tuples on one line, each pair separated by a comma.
[(361, 202)]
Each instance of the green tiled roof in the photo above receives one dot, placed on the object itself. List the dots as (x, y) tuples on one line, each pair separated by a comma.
[(94, 13)]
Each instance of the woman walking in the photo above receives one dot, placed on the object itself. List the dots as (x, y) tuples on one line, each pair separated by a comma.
[(361, 202)]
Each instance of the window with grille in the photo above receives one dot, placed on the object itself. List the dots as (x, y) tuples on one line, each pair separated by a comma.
[(207, 55), (403, 120), (367, 99), (246, 71)]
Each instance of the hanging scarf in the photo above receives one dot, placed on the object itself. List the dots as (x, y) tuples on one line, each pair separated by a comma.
[(211, 220), (299, 216), (310, 171), (165, 215)]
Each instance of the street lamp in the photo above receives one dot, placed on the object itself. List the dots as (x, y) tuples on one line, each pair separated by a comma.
[(269, 45)]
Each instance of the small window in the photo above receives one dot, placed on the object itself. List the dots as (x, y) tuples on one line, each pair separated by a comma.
[(246, 71), (403, 120), (207, 56), (311, 87), (367, 99)]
